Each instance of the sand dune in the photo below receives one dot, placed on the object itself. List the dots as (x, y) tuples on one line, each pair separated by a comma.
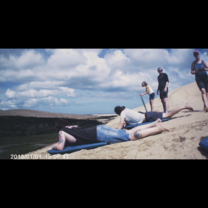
[(188, 129)]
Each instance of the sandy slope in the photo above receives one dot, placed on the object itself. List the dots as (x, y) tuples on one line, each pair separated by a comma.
[(188, 129)]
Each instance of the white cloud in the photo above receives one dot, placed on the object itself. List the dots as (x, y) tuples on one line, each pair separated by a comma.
[(41, 93), (39, 85), (28, 58), (65, 58), (7, 104), (69, 69), (117, 60), (48, 101)]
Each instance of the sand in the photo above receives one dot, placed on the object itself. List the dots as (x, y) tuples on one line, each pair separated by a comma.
[(188, 129)]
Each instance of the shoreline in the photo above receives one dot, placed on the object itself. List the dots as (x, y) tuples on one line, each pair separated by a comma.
[(43, 114)]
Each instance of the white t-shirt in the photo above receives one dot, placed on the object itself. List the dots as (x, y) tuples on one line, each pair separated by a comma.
[(132, 117)]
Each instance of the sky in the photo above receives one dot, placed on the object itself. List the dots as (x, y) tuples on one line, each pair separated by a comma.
[(88, 81)]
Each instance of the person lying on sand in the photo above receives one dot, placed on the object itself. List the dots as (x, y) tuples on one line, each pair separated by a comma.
[(132, 117), (103, 133)]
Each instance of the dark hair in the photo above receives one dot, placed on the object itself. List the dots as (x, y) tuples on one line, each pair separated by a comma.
[(119, 109), (60, 124), (145, 83), (160, 68)]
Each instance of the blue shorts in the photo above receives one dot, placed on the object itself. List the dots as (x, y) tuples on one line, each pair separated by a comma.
[(111, 135), (152, 96)]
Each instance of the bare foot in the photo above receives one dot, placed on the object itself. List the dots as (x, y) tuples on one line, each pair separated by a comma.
[(189, 107), (158, 121), (205, 109), (162, 127)]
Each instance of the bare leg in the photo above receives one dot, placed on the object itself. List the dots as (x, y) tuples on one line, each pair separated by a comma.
[(203, 101), (146, 126), (204, 98), (206, 109), (69, 137), (176, 110), (152, 105), (63, 136), (139, 134), (164, 107)]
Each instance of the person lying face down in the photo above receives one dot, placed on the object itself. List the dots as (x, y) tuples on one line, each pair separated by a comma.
[(132, 117), (103, 133)]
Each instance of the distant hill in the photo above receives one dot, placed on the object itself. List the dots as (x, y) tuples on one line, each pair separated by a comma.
[(34, 113)]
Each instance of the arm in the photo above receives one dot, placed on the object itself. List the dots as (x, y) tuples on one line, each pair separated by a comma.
[(144, 94), (62, 140), (121, 125), (158, 86), (167, 82), (206, 66), (166, 87), (147, 91), (192, 69)]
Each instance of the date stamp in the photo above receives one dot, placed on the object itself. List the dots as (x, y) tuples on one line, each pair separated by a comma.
[(37, 156), (58, 156), (26, 156)]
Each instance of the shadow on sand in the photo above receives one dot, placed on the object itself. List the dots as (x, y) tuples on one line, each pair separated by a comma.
[(180, 116), (195, 111)]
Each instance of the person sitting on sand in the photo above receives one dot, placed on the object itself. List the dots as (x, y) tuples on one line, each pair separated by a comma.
[(132, 117), (103, 133), (151, 94), (199, 68)]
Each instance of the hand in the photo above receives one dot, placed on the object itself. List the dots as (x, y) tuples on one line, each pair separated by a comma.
[(124, 124), (165, 90), (202, 68), (157, 93), (141, 94), (196, 71)]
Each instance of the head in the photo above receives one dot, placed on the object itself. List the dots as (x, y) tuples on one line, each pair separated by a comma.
[(144, 84), (119, 109), (160, 70), (196, 55), (60, 124)]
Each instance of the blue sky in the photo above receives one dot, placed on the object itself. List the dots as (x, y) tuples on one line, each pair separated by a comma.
[(87, 81)]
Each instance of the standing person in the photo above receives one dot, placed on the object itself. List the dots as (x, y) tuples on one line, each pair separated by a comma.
[(163, 82), (200, 68), (151, 94)]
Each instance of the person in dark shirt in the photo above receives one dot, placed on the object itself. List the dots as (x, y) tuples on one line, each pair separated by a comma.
[(104, 133), (163, 82), (199, 68)]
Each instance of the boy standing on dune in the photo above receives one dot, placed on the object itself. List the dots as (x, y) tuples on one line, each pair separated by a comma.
[(163, 82)]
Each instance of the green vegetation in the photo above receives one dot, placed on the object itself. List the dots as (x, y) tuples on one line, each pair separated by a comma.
[(21, 135)]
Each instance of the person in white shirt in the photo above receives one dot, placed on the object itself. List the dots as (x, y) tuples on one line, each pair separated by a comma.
[(131, 117), (151, 94)]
